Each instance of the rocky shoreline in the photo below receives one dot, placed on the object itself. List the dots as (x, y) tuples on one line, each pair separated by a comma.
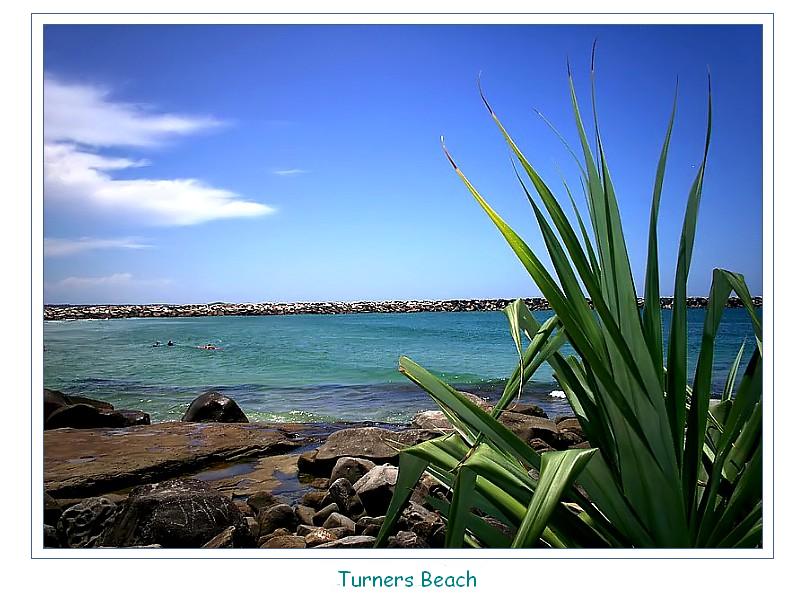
[(67, 312), (214, 480)]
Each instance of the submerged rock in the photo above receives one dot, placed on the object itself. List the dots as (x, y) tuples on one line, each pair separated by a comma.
[(213, 407)]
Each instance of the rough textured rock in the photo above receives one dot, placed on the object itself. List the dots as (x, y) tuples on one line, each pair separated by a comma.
[(540, 446), (365, 523), (336, 520), (527, 428), (261, 500), (285, 541), (253, 526), (376, 488), (87, 462), (277, 516), (213, 407), (572, 425), (428, 486), (353, 541), (278, 532), (351, 468), (406, 539), (373, 443), (314, 498), (345, 497), (436, 421), (85, 524), (525, 408), (181, 513)]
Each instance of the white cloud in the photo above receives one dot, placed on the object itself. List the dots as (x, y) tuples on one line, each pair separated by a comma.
[(80, 119), (66, 247), (113, 289), (286, 172)]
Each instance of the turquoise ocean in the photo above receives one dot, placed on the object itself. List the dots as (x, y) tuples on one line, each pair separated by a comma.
[(310, 368)]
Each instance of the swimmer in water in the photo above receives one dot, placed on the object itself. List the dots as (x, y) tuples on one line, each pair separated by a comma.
[(208, 347), (156, 345), (170, 343)]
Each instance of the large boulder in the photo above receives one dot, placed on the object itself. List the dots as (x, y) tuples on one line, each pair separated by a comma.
[(85, 416), (180, 513), (346, 498), (276, 517), (376, 444), (524, 408), (376, 488), (436, 421), (213, 407), (54, 400), (84, 525)]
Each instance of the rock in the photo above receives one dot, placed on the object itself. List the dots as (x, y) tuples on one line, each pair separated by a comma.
[(261, 500), (80, 463), (274, 517), (376, 488), (341, 532), (406, 539), (85, 524), (314, 498), (353, 541), (323, 513), (278, 532), (428, 486), (365, 523), (180, 513), (373, 443), (422, 522), (540, 445), (85, 416), (224, 539), (52, 510), (51, 537), (568, 439), (572, 425), (319, 536), (307, 463), (436, 421), (526, 427), (54, 400), (336, 520), (213, 407), (345, 497), (252, 525), (304, 514), (285, 541), (525, 408), (244, 508), (351, 468)]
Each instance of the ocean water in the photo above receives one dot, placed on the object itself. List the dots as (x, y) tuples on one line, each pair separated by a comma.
[(309, 368)]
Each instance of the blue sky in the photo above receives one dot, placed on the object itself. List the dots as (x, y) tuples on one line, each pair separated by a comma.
[(289, 163)]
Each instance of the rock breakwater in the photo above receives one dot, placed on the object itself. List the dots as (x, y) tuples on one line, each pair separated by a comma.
[(218, 309)]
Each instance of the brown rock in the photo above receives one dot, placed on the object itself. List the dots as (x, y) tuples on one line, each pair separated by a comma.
[(526, 427), (376, 488), (213, 407), (285, 541), (354, 541)]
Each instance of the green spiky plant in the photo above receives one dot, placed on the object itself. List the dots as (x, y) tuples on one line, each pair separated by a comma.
[(666, 467)]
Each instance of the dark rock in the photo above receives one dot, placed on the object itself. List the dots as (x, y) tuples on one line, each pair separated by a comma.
[(261, 500), (345, 497), (307, 463), (351, 468), (406, 539), (527, 428), (224, 539), (540, 445), (338, 520), (422, 522), (54, 400), (581, 446), (314, 498), (253, 526), (277, 516), (84, 525), (428, 486), (353, 541), (244, 508), (567, 439), (525, 408), (304, 514), (376, 488), (341, 532), (324, 512), (285, 541), (213, 407), (278, 532), (572, 425), (180, 513), (51, 537), (84, 416), (52, 510), (366, 522)]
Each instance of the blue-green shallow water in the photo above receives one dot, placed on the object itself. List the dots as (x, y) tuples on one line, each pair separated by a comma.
[(307, 368)]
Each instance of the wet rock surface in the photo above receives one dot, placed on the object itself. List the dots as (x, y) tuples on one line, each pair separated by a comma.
[(213, 407)]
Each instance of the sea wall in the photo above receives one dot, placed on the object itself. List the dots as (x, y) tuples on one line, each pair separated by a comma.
[(62, 312)]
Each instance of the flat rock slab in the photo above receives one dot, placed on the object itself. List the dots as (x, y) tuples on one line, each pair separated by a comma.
[(85, 462), (372, 443)]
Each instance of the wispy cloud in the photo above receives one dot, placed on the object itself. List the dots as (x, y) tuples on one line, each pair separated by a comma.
[(82, 122), (115, 288), (66, 247), (289, 172)]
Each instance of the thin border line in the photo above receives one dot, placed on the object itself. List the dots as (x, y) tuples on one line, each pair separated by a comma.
[(423, 554)]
